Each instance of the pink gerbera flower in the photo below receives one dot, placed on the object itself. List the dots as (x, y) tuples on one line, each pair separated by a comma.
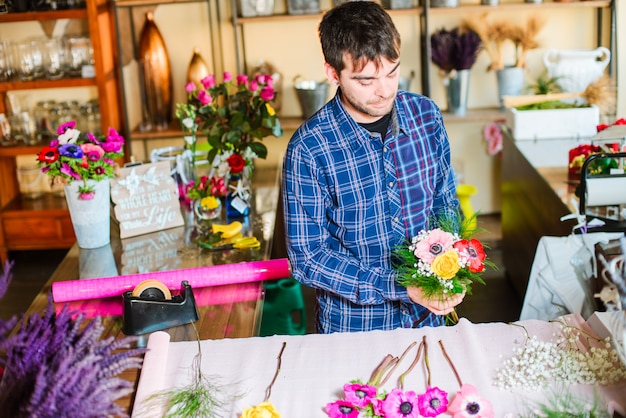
[(399, 404), (341, 409), (474, 252), (467, 403), (359, 394), (433, 402), (435, 243)]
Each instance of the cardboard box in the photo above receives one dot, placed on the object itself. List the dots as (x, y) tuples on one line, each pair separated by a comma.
[(553, 123)]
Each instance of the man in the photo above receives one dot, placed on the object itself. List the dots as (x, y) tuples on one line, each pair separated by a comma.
[(362, 176)]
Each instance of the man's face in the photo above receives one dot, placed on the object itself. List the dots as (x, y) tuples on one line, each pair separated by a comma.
[(368, 94)]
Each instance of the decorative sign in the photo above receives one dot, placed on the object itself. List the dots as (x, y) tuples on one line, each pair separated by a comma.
[(146, 199)]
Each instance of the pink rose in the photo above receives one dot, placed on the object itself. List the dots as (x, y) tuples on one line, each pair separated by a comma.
[(208, 82), (267, 93), (242, 80), (204, 97), (227, 77), (190, 87)]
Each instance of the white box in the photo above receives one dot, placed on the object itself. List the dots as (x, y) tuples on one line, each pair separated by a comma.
[(553, 123)]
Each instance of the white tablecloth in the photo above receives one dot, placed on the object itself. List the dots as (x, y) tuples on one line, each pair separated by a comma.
[(315, 367)]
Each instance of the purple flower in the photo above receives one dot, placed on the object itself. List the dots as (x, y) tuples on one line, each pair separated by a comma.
[(433, 402), (399, 404), (64, 127), (55, 365), (71, 150), (359, 394), (341, 409)]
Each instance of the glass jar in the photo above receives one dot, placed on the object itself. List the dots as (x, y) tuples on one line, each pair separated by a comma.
[(43, 127)]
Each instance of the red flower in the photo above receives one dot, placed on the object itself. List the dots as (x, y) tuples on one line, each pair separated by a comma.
[(48, 155), (236, 163), (474, 252)]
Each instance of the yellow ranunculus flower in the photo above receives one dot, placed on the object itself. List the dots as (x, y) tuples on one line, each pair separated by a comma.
[(446, 265), (262, 410), (270, 109), (209, 202)]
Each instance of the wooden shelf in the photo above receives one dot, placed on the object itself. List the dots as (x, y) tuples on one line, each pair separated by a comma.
[(47, 84), (14, 151), (45, 15), (463, 8)]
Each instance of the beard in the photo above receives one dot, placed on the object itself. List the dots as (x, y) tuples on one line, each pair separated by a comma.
[(368, 107)]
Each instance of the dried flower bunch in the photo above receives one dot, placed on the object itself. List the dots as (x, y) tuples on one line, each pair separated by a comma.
[(56, 365), (495, 35)]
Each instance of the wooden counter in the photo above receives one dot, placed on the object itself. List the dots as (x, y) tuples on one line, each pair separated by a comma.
[(533, 202)]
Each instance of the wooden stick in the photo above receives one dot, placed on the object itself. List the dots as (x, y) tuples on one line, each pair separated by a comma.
[(515, 101)]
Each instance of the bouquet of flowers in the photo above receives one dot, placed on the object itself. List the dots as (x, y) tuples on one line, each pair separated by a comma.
[(235, 116), (206, 191), (77, 156), (444, 259)]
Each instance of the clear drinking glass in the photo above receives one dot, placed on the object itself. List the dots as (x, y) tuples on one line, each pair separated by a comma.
[(7, 60), (26, 62), (6, 139), (54, 59), (22, 128)]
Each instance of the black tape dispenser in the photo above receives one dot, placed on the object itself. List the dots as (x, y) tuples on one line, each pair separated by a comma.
[(150, 307)]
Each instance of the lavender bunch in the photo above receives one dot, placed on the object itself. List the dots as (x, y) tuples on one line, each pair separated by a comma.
[(59, 366), (455, 49), (5, 279)]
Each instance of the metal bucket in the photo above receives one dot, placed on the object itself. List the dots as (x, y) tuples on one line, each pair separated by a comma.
[(311, 95)]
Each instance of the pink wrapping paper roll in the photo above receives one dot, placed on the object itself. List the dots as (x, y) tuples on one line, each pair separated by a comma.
[(252, 271)]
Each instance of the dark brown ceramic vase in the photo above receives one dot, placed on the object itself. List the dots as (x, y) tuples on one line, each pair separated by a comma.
[(156, 78)]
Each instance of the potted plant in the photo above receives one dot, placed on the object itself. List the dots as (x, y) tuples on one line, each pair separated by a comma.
[(454, 52)]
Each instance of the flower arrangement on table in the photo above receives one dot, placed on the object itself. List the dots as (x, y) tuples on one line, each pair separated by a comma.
[(79, 156), (207, 192), (454, 50), (235, 116), (444, 259)]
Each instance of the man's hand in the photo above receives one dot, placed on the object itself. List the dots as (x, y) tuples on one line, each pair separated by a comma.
[(437, 306)]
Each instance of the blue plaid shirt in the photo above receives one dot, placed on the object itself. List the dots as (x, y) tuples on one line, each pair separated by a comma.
[(351, 198)]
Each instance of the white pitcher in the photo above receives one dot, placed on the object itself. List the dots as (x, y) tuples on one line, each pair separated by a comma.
[(576, 69)]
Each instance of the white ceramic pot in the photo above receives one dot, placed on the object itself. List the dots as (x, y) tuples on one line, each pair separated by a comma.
[(91, 219), (576, 69)]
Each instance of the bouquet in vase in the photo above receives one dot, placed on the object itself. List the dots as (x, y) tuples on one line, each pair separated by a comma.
[(79, 156), (444, 259)]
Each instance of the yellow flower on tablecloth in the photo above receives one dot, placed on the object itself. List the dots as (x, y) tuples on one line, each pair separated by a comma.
[(446, 265), (262, 410)]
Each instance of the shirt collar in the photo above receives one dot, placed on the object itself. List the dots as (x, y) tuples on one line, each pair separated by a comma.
[(355, 133)]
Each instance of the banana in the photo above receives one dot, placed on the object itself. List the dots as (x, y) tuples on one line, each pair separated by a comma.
[(228, 231)]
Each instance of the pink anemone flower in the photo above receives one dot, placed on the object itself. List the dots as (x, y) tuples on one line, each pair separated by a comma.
[(435, 243), (467, 403)]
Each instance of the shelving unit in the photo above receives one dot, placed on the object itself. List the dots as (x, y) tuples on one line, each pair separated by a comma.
[(126, 19), (424, 12), (45, 223)]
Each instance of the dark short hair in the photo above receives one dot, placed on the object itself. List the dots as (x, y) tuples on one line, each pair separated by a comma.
[(362, 29)]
